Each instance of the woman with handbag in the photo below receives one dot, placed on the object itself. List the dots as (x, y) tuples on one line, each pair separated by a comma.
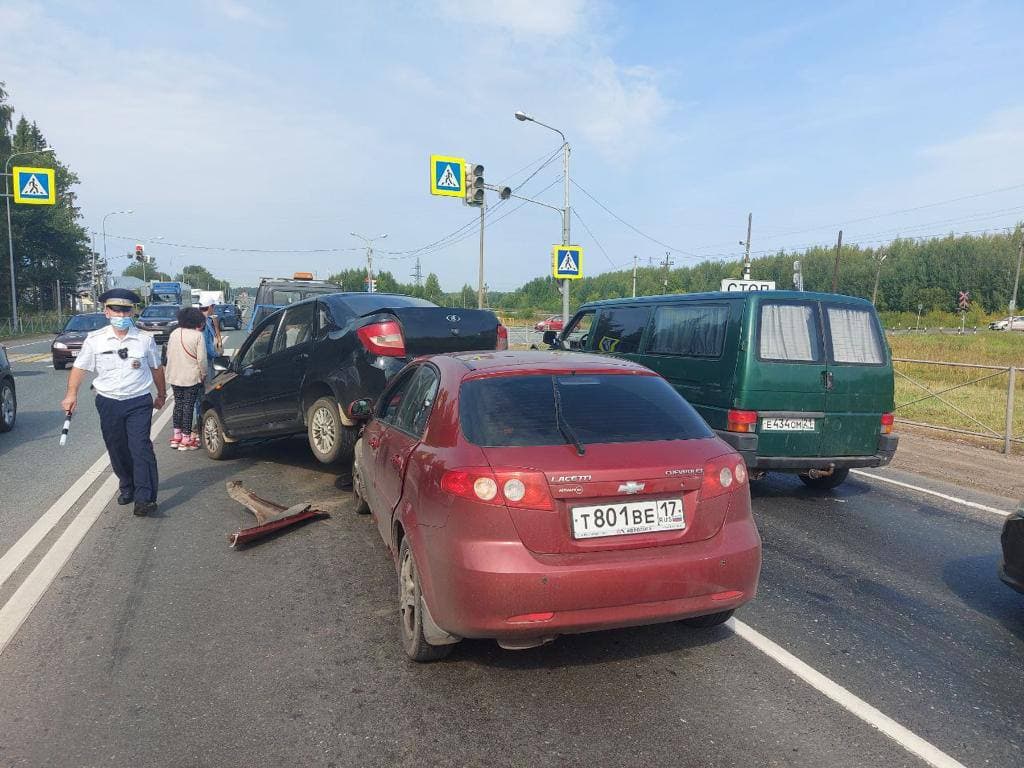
[(186, 370)]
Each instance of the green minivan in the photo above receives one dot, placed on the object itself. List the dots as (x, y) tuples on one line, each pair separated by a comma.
[(795, 381)]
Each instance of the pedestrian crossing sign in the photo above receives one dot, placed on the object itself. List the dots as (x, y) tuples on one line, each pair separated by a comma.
[(447, 176), (567, 262), (34, 186)]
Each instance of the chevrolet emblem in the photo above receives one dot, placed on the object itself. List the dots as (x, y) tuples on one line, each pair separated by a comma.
[(631, 487)]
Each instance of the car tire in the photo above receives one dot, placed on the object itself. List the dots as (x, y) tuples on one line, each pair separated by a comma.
[(214, 442), (826, 483), (705, 622), (410, 618), (58, 366), (359, 484), (329, 439), (8, 406)]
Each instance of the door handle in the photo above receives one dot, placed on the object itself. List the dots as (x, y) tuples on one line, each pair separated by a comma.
[(826, 379), (374, 441), (396, 461)]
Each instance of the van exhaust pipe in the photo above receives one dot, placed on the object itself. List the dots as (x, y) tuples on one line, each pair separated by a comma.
[(816, 473)]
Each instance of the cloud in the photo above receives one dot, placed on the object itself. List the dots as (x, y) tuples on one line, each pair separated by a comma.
[(235, 10), (551, 18)]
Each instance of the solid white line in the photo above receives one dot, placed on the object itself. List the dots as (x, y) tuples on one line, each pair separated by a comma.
[(919, 489), (854, 704), (24, 599), (23, 547), (31, 343)]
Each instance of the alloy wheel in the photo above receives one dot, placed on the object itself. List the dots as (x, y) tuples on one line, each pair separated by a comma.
[(324, 430), (407, 595), (211, 435), (7, 404)]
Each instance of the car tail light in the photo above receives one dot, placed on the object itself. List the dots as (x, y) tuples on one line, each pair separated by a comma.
[(502, 337), (723, 475), (528, 490), (383, 338), (887, 421), (740, 421)]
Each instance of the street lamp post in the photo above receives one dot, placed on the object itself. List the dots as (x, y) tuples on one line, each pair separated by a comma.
[(10, 233), (520, 115), (369, 257), (107, 216), (882, 256)]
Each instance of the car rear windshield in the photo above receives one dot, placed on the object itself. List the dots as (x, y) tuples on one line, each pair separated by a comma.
[(599, 408), (161, 312), (365, 303), (86, 323), (282, 297)]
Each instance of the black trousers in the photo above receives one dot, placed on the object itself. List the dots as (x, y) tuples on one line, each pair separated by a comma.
[(184, 403), (125, 425)]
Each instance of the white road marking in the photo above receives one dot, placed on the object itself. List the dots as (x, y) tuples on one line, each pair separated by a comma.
[(25, 598), (947, 497), (31, 343), (844, 698)]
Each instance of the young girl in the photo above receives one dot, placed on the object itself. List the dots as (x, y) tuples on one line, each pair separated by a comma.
[(186, 369)]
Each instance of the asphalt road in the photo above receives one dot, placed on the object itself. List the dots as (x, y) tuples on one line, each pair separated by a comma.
[(157, 645)]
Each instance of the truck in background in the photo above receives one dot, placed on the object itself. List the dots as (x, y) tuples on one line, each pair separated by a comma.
[(170, 293), (206, 297)]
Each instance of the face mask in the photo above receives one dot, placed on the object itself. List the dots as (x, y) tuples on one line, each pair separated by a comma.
[(121, 323)]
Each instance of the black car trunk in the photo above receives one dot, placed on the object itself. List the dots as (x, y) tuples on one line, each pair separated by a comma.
[(430, 330)]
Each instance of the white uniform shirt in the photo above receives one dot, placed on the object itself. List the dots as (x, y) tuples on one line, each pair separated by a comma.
[(117, 378)]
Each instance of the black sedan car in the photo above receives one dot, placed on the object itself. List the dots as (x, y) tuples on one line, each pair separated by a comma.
[(8, 394), (302, 367), (1011, 570), (228, 316), (68, 343), (159, 320)]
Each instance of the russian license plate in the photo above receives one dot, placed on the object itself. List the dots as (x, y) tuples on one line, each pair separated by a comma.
[(787, 425), (627, 517), (74, 353)]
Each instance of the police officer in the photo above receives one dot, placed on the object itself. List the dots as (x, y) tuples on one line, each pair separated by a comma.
[(127, 364)]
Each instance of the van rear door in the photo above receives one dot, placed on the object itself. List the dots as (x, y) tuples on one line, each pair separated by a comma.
[(859, 385), (784, 379)]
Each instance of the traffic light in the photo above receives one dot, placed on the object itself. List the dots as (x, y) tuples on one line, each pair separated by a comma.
[(140, 254), (474, 184), (798, 277)]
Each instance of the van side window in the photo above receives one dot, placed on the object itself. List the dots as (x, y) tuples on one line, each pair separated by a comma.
[(619, 329), (854, 338), (577, 335), (690, 330), (789, 332)]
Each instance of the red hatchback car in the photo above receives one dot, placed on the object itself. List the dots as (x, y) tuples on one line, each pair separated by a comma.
[(553, 323), (525, 495)]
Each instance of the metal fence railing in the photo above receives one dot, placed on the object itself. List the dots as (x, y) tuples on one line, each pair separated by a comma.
[(45, 323), (964, 396)]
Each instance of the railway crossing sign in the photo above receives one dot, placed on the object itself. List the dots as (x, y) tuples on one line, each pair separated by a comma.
[(34, 186), (964, 300), (567, 262), (447, 176)]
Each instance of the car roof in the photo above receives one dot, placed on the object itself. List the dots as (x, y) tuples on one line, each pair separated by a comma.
[(535, 362), (727, 296)]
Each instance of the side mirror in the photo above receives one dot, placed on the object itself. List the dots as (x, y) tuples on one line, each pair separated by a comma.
[(361, 409), (221, 363), (549, 337)]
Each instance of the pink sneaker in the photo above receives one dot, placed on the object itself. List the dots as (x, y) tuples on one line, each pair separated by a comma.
[(189, 444), (175, 439)]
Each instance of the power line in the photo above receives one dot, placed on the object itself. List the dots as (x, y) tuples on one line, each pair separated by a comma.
[(594, 238), (227, 249)]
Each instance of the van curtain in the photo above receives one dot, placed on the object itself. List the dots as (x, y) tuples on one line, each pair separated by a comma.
[(787, 332)]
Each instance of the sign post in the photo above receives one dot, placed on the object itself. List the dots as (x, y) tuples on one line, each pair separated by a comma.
[(34, 186)]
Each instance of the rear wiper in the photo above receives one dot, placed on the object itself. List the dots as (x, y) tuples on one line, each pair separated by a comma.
[(563, 426)]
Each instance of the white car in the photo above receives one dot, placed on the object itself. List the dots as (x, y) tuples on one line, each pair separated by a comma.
[(1015, 324)]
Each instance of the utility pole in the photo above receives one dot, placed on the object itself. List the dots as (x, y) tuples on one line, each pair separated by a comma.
[(417, 273), (634, 276), (1016, 281), (835, 272), (666, 264), (882, 256), (746, 244), (480, 278), (369, 257)]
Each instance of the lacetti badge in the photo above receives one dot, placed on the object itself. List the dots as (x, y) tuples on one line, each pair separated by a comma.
[(572, 478), (631, 487), (678, 472)]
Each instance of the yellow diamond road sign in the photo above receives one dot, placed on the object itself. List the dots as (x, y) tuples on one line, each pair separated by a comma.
[(447, 176), (34, 186), (567, 262)]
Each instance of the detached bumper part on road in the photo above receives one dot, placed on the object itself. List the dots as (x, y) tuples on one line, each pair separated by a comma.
[(745, 443), (1011, 569), (497, 588)]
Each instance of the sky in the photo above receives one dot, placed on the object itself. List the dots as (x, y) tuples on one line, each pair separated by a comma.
[(253, 137)]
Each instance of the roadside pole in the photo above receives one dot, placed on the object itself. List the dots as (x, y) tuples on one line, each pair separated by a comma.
[(634, 276), (1016, 283), (746, 249), (480, 276), (1008, 438), (835, 271), (565, 228)]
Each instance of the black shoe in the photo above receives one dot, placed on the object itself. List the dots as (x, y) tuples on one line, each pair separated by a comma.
[(125, 497), (143, 508)]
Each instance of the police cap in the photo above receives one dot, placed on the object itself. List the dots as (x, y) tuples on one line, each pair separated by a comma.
[(120, 297)]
